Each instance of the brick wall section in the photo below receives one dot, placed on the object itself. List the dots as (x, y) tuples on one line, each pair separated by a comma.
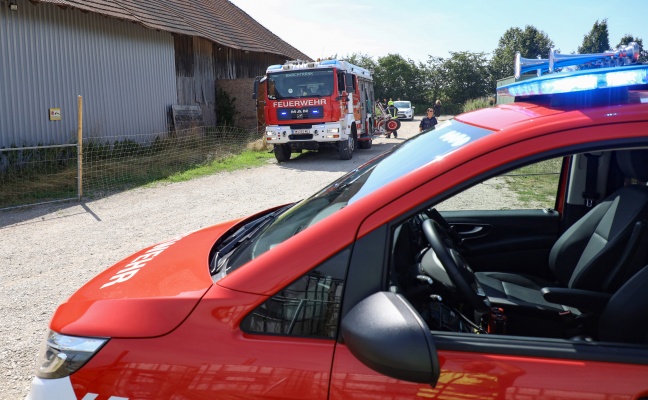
[(246, 106)]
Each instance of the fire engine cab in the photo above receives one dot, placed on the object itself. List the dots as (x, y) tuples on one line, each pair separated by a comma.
[(310, 104)]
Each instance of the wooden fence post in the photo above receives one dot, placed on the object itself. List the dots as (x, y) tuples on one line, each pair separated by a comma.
[(80, 147)]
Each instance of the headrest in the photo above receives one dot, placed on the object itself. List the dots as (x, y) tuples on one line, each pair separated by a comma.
[(633, 163)]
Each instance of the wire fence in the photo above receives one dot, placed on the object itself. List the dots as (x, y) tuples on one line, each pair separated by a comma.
[(41, 174)]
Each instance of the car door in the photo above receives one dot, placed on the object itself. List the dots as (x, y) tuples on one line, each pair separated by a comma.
[(483, 366), (472, 365)]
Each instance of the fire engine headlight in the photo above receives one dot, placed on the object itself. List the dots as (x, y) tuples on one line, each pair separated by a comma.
[(61, 355), (270, 133), (333, 130)]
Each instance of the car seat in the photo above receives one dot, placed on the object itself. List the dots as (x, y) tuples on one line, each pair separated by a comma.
[(624, 317), (597, 253)]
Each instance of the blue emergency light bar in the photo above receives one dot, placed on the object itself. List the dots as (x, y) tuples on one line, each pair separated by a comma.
[(622, 55), (568, 82)]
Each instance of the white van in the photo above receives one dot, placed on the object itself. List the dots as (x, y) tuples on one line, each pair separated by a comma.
[(405, 109)]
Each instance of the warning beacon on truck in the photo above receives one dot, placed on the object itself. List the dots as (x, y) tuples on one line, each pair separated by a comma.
[(310, 104)]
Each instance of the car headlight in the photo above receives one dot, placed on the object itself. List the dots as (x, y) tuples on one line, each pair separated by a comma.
[(61, 355)]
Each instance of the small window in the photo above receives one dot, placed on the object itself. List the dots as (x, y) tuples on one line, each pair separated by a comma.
[(350, 83), (341, 84), (309, 306)]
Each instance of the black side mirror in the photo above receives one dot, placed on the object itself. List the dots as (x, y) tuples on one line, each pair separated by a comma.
[(387, 335)]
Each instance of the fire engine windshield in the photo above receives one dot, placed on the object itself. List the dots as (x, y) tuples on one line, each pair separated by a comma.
[(300, 83)]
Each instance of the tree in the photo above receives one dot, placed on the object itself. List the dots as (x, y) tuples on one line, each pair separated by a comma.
[(627, 39), (465, 76), (432, 81), (361, 60), (530, 42), (596, 41), (397, 78)]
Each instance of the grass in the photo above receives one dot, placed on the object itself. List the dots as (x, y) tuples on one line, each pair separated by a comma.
[(536, 184), (247, 159), (31, 187), (103, 175)]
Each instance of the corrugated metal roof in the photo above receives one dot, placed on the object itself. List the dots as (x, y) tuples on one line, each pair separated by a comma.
[(217, 20)]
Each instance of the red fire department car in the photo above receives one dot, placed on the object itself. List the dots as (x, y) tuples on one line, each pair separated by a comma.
[(375, 288)]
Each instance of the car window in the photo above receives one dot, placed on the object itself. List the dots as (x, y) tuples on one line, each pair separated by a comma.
[(520, 267), (308, 307), (531, 187)]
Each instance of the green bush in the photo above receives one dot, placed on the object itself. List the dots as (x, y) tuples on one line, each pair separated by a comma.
[(225, 108), (476, 104), (446, 108)]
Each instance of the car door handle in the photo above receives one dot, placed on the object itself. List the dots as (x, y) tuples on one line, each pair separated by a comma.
[(473, 231)]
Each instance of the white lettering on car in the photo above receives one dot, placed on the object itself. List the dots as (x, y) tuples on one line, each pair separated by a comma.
[(140, 261), (299, 103), (455, 138)]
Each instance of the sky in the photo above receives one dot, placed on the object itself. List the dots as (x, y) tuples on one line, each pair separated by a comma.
[(417, 29)]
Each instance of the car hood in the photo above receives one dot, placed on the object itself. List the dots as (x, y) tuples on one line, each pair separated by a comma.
[(147, 294)]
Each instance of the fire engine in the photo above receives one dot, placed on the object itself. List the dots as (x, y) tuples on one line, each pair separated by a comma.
[(305, 105)]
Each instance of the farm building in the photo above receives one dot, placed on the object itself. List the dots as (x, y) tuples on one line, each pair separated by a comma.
[(130, 61)]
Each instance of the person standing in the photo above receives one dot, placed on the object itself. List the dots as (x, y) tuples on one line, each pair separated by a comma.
[(437, 108), (429, 121), (393, 113)]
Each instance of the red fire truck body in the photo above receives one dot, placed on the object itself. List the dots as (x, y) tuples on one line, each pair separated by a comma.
[(307, 105)]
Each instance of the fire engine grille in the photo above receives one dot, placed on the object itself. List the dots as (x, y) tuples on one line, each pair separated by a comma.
[(308, 307), (300, 137), (300, 113)]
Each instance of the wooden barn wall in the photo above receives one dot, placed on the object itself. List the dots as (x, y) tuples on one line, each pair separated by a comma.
[(203, 66), (195, 75), (236, 70), (236, 64), (50, 55)]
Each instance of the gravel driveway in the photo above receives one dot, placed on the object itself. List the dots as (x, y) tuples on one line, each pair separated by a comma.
[(49, 251)]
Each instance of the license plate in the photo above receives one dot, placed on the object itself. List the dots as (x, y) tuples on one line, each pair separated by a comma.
[(298, 131)]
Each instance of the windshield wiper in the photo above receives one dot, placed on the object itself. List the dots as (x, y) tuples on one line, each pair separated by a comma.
[(239, 237)]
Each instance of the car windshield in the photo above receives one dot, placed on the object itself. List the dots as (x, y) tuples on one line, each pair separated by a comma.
[(402, 104), (382, 170)]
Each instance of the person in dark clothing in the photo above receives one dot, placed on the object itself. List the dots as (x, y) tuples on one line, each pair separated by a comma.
[(393, 112), (437, 108), (429, 121)]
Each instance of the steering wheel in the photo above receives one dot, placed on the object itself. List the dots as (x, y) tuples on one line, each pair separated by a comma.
[(455, 266), (457, 240)]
